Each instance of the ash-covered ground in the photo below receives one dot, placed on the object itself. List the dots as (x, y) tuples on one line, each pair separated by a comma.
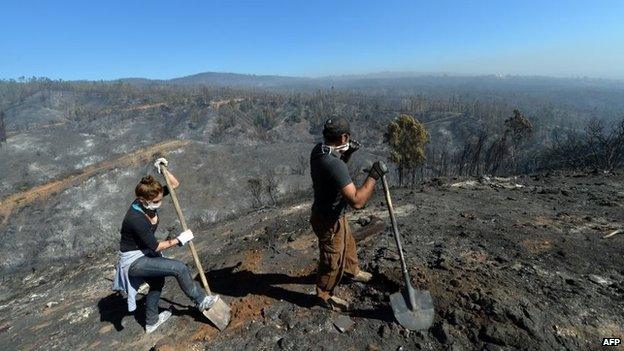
[(511, 264)]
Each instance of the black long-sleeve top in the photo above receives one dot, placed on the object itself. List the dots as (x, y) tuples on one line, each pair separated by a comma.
[(137, 232)]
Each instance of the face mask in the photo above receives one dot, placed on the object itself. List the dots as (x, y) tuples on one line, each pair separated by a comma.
[(342, 148), (153, 206)]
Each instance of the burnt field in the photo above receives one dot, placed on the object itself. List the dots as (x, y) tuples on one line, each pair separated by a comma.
[(511, 263)]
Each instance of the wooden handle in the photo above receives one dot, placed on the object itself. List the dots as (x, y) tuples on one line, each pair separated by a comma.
[(176, 204), (397, 239)]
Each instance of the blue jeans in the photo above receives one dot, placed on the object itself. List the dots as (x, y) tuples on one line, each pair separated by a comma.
[(154, 270)]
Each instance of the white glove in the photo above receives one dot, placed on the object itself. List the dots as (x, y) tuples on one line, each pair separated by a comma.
[(160, 161), (185, 237)]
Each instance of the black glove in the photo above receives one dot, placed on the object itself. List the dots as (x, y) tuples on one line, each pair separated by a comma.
[(354, 146), (377, 170)]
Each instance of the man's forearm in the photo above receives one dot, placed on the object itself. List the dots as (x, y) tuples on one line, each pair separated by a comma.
[(364, 193)]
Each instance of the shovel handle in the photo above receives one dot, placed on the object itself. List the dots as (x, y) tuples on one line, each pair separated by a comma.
[(178, 209), (397, 238)]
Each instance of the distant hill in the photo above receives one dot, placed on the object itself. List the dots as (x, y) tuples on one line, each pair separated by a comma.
[(234, 79), (388, 81)]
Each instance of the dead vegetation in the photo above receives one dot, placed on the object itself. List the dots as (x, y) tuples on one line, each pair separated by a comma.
[(15, 201), (508, 267)]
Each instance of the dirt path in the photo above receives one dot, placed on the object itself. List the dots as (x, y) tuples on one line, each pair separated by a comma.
[(15, 201)]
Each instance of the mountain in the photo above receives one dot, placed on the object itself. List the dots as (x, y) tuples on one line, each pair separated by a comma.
[(236, 80), (400, 82), (219, 79)]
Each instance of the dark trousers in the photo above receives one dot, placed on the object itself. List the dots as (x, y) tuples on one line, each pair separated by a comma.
[(154, 270)]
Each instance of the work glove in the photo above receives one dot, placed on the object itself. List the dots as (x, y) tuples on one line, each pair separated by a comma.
[(354, 146), (185, 237), (160, 161), (378, 170)]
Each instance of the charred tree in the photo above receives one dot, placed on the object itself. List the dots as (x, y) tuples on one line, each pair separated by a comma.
[(3, 133)]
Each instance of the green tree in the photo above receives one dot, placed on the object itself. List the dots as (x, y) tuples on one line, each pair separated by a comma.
[(407, 138), (519, 129)]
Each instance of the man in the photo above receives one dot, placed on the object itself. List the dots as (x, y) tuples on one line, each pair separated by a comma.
[(333, 191)]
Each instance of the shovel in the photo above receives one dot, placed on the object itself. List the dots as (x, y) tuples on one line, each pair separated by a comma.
[(413, 309), (219, 313)]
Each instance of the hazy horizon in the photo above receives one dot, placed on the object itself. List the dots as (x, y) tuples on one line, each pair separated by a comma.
[(372, 75)]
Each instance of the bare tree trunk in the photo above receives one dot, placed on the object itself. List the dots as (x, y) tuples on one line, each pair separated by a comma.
[(3, 135)]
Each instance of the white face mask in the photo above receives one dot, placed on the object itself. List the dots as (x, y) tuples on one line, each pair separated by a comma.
[(342, 148), (153, 206)]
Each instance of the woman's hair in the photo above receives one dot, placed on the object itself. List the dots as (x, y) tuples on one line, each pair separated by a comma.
[(148, 188)]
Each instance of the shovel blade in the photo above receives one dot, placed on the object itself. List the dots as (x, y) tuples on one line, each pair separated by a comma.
[(419, 317), (218, 314)]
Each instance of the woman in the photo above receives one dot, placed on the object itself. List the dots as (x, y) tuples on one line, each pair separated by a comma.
[(140, 258)]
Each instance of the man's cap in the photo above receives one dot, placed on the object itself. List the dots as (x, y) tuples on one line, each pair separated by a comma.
[(335, 127)]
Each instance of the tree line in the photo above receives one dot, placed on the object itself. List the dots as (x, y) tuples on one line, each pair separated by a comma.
[(489, 132)]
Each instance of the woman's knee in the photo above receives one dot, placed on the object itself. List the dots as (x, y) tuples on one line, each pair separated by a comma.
[(179, 267)]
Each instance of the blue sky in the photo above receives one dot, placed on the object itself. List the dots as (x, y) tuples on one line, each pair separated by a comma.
[(165, 39)]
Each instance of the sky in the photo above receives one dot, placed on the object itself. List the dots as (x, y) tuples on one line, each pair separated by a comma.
[(165, 39)]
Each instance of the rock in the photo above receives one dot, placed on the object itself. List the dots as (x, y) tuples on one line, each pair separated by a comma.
[(51, 303), (343, 323), (372, 347), (5, 327), (317, 324), (456, 317), (364, 221), (492, 347), (501, 259), (166, 344), (442, 263), (287, 317), (492, 334), (600, 280), (384, 331), (286, 343), (272, 312), (265, 334), (441, 331), (391, 256)]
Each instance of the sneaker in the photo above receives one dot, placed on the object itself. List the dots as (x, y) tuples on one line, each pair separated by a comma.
[(162, 318), (335, 303), (207, 302), (362, 277)]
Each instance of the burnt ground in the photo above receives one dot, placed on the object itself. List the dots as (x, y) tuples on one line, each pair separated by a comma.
[(511, 264)]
